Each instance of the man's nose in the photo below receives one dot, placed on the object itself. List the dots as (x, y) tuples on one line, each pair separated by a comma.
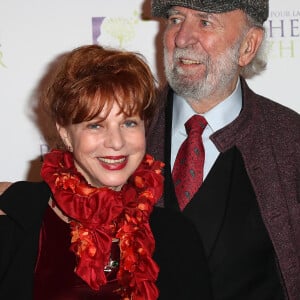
[(186, 35)]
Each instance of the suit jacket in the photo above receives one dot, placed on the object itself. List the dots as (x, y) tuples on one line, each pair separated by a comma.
[(178, 250), (267, 135)]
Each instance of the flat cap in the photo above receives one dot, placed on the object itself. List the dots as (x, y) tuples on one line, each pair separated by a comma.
[(257, 9)]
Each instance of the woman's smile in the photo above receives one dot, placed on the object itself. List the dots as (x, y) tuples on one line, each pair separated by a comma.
[(113, 162)]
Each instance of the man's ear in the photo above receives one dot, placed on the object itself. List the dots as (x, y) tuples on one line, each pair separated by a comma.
[(250, 45)]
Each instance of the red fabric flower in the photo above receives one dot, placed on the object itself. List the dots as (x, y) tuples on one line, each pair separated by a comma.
[(100, 214)]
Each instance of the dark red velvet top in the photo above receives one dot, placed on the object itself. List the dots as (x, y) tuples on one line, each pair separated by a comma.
[(54, 275)]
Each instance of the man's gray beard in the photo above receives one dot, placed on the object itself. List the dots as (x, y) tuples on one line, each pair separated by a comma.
[(218, 76)]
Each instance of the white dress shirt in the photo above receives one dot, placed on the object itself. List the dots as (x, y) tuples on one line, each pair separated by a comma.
[(217, 118)]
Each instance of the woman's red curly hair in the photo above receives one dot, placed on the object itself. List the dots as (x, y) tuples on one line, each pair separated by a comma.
[(92, 76)]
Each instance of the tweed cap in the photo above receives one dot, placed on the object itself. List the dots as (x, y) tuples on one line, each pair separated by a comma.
[(257, 9)]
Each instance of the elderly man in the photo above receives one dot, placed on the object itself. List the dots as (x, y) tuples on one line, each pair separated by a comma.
[(239, 184)]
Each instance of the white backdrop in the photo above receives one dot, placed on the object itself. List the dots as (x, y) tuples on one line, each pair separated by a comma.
[(34, 32)]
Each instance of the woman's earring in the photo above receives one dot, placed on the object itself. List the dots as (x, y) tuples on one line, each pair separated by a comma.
[(70, 148)]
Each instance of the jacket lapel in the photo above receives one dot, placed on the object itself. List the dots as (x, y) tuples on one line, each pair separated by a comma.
[(170, 199)]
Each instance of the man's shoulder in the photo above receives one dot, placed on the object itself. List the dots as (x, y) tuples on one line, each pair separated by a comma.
[(269, 111), (279, 116), (25, 202), (277, 108), (24, 194), (25, 187), (271, 107)]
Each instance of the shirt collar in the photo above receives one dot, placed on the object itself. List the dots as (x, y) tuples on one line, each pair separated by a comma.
[(218, 117)]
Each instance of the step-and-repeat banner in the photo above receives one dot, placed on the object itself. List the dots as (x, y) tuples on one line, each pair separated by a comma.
[(34, 33)]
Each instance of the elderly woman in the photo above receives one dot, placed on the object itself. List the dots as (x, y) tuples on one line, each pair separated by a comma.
[(83, 232)]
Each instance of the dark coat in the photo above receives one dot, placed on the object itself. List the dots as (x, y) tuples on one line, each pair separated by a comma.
[(267, 135), (178, 248)]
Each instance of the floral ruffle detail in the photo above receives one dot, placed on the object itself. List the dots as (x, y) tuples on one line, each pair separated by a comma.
[(100, 214)]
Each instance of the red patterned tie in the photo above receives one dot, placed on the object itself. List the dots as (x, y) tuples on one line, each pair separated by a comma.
[(188, 167)]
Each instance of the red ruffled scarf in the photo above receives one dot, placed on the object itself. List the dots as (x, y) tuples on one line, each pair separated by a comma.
[(100, 214)]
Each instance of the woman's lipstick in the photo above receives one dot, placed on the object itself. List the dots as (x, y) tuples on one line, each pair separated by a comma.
[(113, 163)]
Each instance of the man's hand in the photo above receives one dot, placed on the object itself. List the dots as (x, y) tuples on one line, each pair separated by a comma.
[(4, 186)]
